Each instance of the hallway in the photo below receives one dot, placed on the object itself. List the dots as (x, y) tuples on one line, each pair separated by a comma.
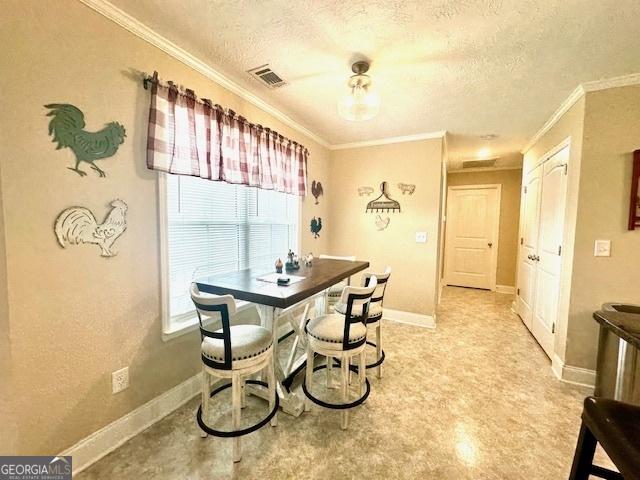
[(473, 399)]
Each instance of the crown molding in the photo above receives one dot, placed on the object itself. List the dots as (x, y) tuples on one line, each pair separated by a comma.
[(484, 169), (126, 21), (577, 94), (389, 140)]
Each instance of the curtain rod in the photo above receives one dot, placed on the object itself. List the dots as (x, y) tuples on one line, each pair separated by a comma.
[(148, 80)]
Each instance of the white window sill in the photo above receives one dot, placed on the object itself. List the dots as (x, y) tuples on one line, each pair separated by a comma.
[(190, 323)]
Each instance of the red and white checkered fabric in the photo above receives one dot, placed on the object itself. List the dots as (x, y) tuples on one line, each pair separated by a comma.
[(188, 136)]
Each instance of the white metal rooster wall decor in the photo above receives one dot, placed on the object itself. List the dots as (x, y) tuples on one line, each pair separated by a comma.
[(77, 225), (382, 223)]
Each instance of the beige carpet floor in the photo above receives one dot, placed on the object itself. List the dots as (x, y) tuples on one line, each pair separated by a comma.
[(473, 399)]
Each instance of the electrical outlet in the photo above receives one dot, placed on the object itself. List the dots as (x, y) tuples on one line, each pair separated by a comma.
[(120, 380), (421, 237)]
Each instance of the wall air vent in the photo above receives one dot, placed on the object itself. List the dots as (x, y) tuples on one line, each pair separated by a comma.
[(479, 163), (267, 77)]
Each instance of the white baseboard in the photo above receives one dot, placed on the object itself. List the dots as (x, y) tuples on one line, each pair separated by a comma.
[(92, 448), (574, 375), (506, 289), (421, 320)]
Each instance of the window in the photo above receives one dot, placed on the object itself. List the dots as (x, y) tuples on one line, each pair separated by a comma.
[(216, 227)]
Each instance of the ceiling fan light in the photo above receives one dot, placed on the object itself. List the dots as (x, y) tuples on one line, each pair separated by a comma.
[(361, 103)]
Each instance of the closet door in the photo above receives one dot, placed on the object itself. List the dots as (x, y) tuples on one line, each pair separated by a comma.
[(547, 279), (531, 186)]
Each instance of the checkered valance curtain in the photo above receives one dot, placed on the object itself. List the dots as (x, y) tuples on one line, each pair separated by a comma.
[(188, 136)]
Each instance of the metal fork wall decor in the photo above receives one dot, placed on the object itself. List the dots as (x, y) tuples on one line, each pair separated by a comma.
[(384, 203)]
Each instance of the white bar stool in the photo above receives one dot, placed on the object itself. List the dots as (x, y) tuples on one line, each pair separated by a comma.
[(342, 337), (374, 318), (334, 292), (233, 352)]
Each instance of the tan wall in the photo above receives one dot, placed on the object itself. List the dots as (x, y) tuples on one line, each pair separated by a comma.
[(509, 215), (604, 127), (76, 317), (570, 125), (611, 134), (414, 279), (7, 421)]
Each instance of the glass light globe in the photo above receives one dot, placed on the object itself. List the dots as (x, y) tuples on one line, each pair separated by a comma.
[(362, 103)]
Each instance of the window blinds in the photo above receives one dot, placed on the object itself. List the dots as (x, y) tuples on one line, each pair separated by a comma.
[(217, 227)]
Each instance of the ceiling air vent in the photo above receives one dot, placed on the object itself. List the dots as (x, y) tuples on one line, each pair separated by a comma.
[(479, 163), (267, 77)]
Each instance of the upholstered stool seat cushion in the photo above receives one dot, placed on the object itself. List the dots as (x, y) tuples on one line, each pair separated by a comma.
[(616, 425), (330, 328), (246, 341), (375, 309)]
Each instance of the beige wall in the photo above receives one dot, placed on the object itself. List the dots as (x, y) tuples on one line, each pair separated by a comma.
[(7, 421), (413, 287), (509, 215), (604, 127), (569, 126), (611, 134), (76, 317)]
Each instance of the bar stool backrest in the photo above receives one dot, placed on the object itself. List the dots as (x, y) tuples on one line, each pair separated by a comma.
[(383, 278), (207, 306), (356, 299)]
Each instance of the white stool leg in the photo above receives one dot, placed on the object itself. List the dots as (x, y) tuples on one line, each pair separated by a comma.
[(243, 395), (362, 371), (272, 391), (309, 376), (345, 388), (205, 400), (379, 347), (329, 372), (236, 390)]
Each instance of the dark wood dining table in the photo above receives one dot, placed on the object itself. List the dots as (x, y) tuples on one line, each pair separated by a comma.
[(291, 302)]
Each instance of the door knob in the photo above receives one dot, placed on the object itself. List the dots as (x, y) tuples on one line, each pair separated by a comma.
[(490, 244)]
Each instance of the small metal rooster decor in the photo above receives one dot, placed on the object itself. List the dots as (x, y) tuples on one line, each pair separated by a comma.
[(384, 203), (316, 190), (382, 223), (407, 188), (316, 226), (77, 225), (67, 126)]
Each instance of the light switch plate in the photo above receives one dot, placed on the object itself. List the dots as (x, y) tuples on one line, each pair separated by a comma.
[(421, 237), (602, 248)]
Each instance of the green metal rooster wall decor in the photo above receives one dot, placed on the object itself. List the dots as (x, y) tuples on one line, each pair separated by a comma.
[(67, 125), (316, 226)]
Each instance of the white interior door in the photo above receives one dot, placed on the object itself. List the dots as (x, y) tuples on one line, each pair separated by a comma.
[(472, 236), (547, 279), (531, 186)]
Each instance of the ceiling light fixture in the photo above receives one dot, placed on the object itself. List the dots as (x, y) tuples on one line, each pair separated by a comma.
[(361, 103), (484, 153)]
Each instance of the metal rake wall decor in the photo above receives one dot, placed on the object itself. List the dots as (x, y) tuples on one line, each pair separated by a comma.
[(384, 203)]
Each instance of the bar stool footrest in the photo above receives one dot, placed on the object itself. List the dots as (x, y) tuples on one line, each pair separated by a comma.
[(337, 406), (244, 431)]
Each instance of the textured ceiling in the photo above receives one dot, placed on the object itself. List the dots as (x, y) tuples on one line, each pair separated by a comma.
[(468, 67)]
